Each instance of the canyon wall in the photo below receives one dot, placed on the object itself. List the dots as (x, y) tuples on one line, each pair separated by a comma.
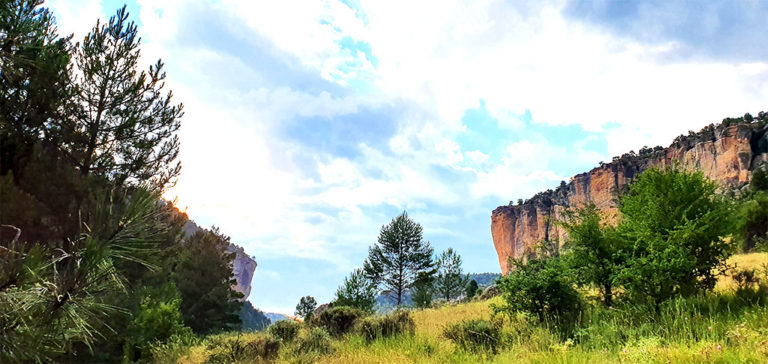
[(726, 154)]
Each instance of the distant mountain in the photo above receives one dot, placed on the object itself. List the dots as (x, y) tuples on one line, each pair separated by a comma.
[(275, 317), (253, 318), (485, 279)]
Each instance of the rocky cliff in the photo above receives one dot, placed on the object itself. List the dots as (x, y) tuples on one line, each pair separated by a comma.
[(726, 153)]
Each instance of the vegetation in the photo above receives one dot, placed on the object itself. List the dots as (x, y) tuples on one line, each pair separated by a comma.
[(306, 307), (450, 282), (675, 226), (92, 260), (357, 291), (716, 326), (471, 290), (594, 251), (398, 257)]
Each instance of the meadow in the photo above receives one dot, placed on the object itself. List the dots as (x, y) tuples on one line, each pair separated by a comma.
[(727, 325)]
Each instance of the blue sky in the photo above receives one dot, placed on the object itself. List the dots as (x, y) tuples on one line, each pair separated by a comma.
[(309, 124)]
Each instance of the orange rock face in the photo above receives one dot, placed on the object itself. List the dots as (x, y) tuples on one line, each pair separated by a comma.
[(727, 155)]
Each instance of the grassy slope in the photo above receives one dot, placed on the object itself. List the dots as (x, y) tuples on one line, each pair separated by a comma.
[(715, 328)]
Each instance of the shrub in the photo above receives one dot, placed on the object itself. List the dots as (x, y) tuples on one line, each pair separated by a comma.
[(674, 222), (540, 287), (396, 323), (475, 335), (317, 340), (285, 330), (338, 320), (490, 292), (256, 347)]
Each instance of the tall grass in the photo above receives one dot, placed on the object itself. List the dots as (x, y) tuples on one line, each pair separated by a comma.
[(723, 326)]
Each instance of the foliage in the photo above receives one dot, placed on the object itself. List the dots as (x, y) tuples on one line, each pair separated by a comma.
[(542, 287), (252, 318), (471, 290), (55, 298), (751, 218), (674, 224), (475, 335), (316, 340), (157, 319), (357, 291), (338, 320), (377, 327), (759, 179), (450, 281), (593, 251), (398, 257), (204, 278), (262, 347), (306, 307), (123, 125), (423, 289), (285, 330)]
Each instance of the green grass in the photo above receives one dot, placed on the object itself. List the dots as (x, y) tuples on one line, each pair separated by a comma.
[(720, 327)]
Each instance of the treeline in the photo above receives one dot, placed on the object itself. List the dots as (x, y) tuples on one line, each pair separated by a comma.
[(94, 265)]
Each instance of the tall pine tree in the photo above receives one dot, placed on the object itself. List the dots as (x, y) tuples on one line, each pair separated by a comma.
[(450, 281), (123, 126), (398, 257)]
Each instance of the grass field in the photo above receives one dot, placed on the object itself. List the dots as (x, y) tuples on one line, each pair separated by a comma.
[(720, 327)]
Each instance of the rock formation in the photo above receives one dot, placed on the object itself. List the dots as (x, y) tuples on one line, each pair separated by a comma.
[(725, 153)]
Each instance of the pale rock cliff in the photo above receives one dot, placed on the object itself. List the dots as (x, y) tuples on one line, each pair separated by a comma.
[(726, 154)]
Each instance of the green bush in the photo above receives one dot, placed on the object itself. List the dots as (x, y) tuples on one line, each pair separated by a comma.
[(396, 323), (338, 320), (316, 341), (285, 330), (475, 335), (540, 286), (262, 347)]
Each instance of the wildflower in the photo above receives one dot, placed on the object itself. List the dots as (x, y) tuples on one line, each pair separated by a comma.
[(709, 328), (625, 350), (719, 347)]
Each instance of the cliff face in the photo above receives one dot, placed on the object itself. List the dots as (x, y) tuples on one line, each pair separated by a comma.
[(726, 154)]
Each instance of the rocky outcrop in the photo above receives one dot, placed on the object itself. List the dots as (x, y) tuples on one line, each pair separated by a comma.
[(725, 153), (243, 268)]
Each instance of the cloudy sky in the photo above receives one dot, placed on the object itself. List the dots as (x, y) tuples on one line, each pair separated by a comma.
[(309, 124)]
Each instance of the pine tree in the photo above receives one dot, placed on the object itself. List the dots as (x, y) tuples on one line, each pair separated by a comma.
[(204, 278), (450, 281), (357, 291), (398, 257), (472, 289), (123, 126), (306, 307)]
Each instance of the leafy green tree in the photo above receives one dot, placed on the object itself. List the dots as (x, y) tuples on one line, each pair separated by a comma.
[(357, 291), (675, 224), (593, 250), (751, 220), (472, 289), (124, 126), (450, 281), (541, 286), (760, 179), (424, 289), (398, 257), (204, 278), (306, 307)]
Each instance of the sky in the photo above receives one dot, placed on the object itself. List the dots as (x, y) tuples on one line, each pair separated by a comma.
[(310, 124)]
